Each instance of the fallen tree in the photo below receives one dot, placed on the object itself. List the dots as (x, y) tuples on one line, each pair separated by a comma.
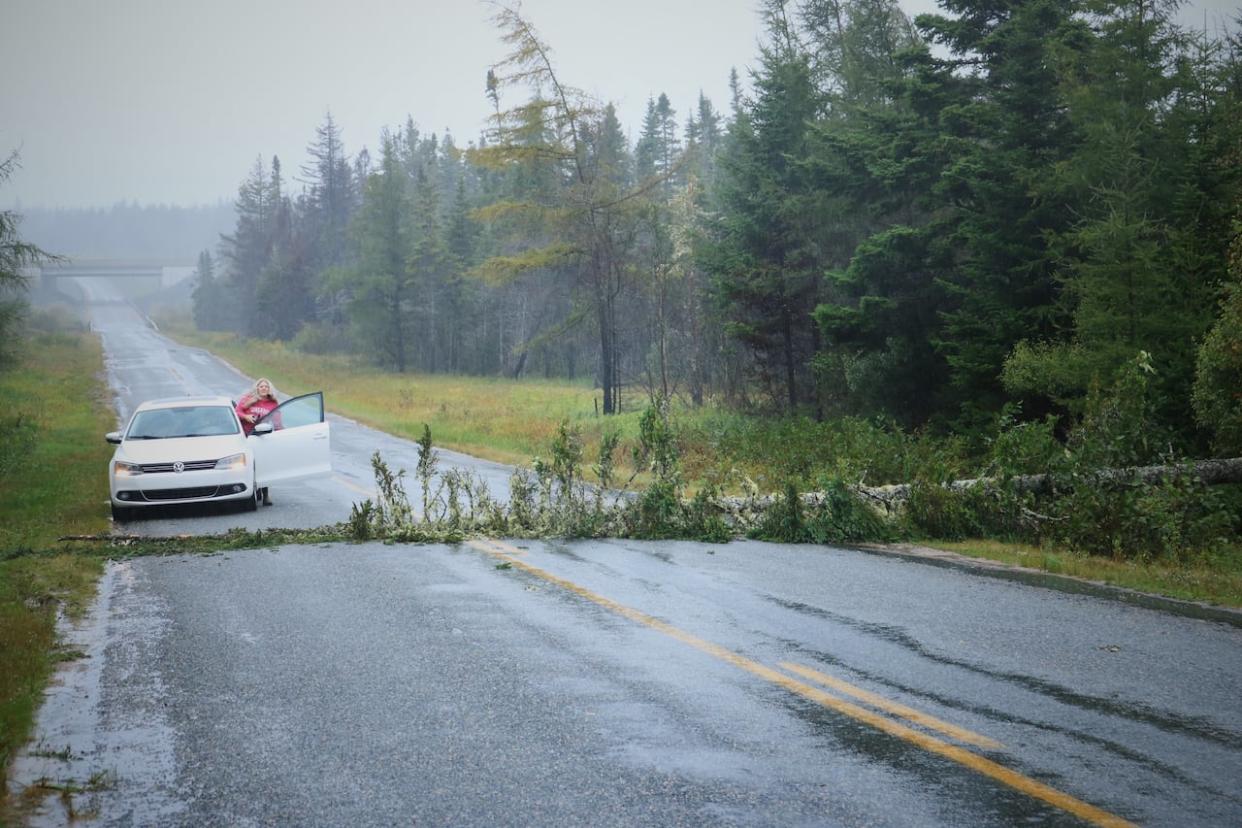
[(1209, 472)]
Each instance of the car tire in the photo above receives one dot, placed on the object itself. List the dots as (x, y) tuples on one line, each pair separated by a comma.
[(123, 514), (252, 502)]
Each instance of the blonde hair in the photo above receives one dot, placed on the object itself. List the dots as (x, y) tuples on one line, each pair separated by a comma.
[(252, 395)]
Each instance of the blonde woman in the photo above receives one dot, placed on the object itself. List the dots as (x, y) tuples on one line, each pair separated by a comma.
[(253, 406)]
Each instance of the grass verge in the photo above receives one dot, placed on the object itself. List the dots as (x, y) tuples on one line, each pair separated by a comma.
[(53, 461), (512, 421), (508, 421), (1215, 579)]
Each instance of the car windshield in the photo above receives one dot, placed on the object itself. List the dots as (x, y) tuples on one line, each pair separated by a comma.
[(186, 421)]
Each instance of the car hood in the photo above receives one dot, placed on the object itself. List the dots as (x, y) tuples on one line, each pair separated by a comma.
[(180, 448)]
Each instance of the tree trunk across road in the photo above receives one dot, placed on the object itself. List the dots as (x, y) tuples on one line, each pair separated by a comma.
[(1210, 472)]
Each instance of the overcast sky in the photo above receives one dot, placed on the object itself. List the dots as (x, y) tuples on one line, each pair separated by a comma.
[(170, 101)]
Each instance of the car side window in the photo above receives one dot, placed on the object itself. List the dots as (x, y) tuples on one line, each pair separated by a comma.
[(299, 411)]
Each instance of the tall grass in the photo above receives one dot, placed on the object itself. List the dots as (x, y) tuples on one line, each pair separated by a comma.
[(512, 421), (1216, 579), (53, 481), (498, 419)]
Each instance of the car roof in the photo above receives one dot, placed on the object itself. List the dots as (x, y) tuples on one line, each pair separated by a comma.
[(184, 402)]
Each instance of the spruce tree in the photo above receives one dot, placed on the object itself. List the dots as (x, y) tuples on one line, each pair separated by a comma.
[(764, 256), (15, 254), (333, 192), (249, 248), (429, 264), (384, 306), (1142, 259), (213, 303), (1006, 127)]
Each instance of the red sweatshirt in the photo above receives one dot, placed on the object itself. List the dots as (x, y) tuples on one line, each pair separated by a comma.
[(256, 409)]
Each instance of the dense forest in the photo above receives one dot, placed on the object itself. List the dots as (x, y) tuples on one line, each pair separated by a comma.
[(940, 223)]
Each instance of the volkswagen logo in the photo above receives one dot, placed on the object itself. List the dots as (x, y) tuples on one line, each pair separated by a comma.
[(178, 467)]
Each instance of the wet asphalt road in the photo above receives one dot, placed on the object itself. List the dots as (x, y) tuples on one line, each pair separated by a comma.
[(626, 683)]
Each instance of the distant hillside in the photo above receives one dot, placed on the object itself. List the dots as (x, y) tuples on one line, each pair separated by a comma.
[(129, 231)]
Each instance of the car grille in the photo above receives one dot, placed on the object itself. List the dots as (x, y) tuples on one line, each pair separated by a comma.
[(190, 465), (181, 494)]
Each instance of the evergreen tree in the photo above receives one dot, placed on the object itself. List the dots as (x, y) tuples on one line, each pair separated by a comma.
[(764, 256), (285, 294), (703, 337), (703, 141), (855, 46), (1007, 127), (585, 230), (333, 192), (658, 149), (429, 265), (871, 164), (1217, 395), (384, 301), (15, 254), (1141, 263), (249, 248), (1217, 391), (462, 293), (213, 306), (656, 159), (881, 228)]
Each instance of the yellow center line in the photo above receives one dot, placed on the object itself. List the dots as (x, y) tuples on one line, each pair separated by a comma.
[(897, 709), (966, 758), (499, 545)]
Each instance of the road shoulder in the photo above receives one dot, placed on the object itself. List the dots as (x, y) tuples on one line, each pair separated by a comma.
[(1063, 583)]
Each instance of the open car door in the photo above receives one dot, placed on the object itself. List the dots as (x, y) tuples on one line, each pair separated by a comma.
[(297, 447)]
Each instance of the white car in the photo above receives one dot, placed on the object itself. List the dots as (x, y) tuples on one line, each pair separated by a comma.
[(193, 450)]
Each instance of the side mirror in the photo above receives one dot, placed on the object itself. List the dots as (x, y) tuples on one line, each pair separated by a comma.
[(113, 437), (263, 428)]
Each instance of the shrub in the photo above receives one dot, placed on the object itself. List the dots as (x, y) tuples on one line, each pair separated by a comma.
[(1179, 519), (701, 520), (1023, 447), (1217, 393), (783, 521), (1097, 512), (1119, 427), (842, 517), (934, 511), (656, 513), (855, 449)]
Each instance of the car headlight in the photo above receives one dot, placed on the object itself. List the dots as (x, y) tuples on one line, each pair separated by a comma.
[(233, 461), (124, 469)]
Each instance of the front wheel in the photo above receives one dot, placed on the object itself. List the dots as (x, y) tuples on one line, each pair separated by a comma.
[(252, 502), (123, 514)]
